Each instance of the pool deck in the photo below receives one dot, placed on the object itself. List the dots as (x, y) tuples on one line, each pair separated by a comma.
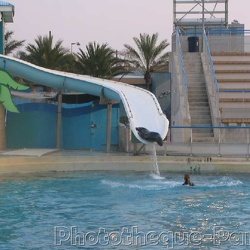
[(51, 160)]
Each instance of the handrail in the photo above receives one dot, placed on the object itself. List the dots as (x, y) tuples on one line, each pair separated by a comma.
[(210, 127), (235, 90), (228, 31), (181, 60), (218, 32), (211, 61)]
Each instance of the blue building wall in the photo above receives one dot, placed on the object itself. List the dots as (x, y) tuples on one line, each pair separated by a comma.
[(35, 126)]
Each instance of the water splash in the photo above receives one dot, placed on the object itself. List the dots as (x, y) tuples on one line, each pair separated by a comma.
[(156, 176), (156, 173)]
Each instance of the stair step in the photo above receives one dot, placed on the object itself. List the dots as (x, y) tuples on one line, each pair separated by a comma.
[(196, 77), (196, 92), (201, 87), (195, 83), (194, 103), (197, 114), (204, 139), (200, 122), (200, 108), (202, 135), (200, 116), (197, 96)]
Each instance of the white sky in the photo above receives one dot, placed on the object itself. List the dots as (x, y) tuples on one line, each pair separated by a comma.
[(114, 22)]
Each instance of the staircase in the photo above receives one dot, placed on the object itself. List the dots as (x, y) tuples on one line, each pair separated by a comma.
[(197, 98)]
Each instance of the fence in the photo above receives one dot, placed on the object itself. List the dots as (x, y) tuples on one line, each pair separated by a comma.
[(203, 149), (229, 40), (222, 40), (233, 141)]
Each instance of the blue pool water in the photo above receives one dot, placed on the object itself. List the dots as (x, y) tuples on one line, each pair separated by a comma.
[(124, 210)]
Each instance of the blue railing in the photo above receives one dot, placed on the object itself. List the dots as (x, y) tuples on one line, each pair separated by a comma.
[(211, 127), (235, 90), (211, 62), (185, 82), (228, 32), (217, 32)]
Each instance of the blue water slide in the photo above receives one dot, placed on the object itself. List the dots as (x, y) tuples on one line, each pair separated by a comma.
[(141, 106)]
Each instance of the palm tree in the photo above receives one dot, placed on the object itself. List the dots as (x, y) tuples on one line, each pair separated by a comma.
[(44, 54), (148, 56), (99, 60), (11, 44)]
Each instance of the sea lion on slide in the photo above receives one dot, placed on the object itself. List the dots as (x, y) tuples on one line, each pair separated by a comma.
[(149, 135)]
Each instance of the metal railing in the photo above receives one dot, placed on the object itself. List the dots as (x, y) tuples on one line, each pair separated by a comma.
[(228, 134), (208, 52), (180, 55), (223, 40), (233, 141)]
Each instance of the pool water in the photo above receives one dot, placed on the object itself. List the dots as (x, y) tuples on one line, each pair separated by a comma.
[(124, 210)]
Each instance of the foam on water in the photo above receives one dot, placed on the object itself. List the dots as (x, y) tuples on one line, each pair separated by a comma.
[(156, 182), (156, 176), (144, 184), (224, 182)]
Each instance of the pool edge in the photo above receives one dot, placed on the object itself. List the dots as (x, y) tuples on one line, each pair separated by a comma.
[(57, 163)]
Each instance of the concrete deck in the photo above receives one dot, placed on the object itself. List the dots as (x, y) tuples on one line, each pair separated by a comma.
[(58, 161), (29, 152)]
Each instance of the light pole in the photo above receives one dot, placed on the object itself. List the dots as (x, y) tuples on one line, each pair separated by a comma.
[(203, 24), (71, 45)]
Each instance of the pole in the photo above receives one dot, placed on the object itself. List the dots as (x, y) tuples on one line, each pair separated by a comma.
[(59, 120), (109, 126), (71, 46), (203, 24)]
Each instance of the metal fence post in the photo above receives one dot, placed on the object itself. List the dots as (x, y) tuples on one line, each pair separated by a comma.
[(165, 147), (191, 142), (247, 143), (219, 143)]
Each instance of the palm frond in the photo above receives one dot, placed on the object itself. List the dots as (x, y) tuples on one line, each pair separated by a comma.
[(147, 55)]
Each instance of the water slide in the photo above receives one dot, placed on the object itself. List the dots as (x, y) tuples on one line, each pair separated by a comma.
[(141, 106)]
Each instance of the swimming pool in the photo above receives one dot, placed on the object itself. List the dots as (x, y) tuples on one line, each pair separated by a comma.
[(124, 210)]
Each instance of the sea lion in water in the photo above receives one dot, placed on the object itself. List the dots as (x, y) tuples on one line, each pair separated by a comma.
[(187, 180), (149, 135)]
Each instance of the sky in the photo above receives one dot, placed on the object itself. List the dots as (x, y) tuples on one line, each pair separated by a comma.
[(115, 22)]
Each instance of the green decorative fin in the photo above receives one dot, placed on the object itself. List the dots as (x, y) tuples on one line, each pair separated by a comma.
[(6, 79), (5, 98)]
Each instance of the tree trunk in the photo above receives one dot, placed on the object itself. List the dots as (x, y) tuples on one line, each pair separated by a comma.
[(147, 78), (2, 128)]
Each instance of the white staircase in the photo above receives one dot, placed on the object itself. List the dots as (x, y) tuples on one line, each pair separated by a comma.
[(197, 98)]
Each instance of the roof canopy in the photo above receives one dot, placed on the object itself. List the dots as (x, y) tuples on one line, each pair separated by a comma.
[(7, 11)]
